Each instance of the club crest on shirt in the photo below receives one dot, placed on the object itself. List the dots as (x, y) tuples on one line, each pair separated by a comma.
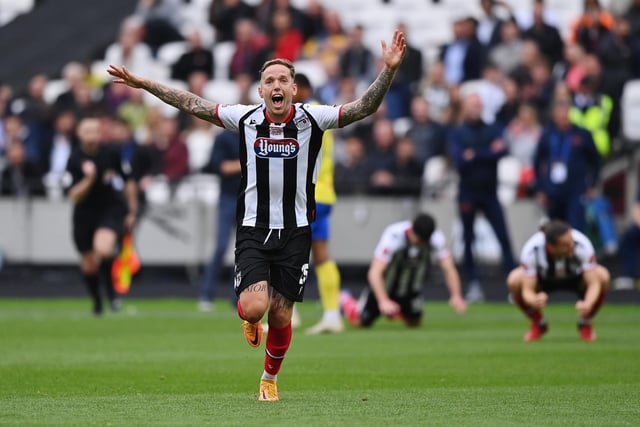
[(302, 123), (285, 148)]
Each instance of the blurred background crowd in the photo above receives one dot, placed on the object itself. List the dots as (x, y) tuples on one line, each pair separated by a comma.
[(527, 67)]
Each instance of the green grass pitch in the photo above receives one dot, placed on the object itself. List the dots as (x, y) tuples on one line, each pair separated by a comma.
[(161, 363)]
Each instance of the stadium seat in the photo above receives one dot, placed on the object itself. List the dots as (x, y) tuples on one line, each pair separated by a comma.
[(169, 53), (222, 53), (435, 176), (158, 192), (222, 91), (508, 179), (313, 70), (631, 111), (53, 89), (199, 144)]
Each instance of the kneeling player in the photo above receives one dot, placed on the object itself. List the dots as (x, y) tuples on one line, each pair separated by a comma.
[(558, 258), (398, 272)]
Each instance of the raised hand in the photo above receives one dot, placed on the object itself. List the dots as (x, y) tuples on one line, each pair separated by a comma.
[(392, 55), (123, 76)]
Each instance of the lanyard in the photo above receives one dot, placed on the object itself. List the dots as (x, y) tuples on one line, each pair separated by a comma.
[(560, 148)]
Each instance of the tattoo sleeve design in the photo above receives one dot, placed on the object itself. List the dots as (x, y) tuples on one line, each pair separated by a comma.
[(369, 102), (185, 101)]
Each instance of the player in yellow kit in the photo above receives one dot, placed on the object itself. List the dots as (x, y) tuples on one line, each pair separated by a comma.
[(326, 269)]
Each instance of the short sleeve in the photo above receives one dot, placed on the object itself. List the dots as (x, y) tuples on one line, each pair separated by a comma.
[(327, 116), (230, 115), (439, 244)]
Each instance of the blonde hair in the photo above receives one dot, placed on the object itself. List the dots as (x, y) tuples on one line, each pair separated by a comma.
[(279, 61)]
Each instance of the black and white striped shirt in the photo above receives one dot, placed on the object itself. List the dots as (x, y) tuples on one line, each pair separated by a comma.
[(280, 162), (408, 265), (536, 261)]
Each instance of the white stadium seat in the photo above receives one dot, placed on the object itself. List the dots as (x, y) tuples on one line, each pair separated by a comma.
[(631, 111)]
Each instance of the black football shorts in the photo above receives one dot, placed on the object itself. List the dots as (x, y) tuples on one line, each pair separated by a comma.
[(278, 256)]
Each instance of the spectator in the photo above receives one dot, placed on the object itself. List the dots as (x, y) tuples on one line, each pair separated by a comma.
[(522, 136), (406, 170), (74, 74), (35, 115), (489, 87), (196, 84), (591, 28), (428, 135), (475, 148), (352, 171), (173, 150), (81, 100), (224, 162), (574, 65), (512, 101), (135, 111), (286, 39), (619, 55), (382, 156), (629, 251), (267, 9), (542, 84), (545, 35), (250, 50), (21, 177), (197, 58), (567, 168), (357, 60), (129, 50), (506, 54), (224, 15), (633, 16), (162, 21), (591, 110), (437, 92), (58, 148), (489, 30), (327, 46), (464, 56)]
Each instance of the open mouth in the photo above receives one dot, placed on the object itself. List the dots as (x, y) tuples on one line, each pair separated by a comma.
[(278, 100)]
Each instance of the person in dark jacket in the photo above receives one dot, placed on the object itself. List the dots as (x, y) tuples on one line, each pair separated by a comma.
[(567, 168), (475, 148)]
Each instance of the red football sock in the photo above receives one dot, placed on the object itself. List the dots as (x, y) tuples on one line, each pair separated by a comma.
[(532, 313), (240, 312), (278, 341), (597, 305), (349, 307)]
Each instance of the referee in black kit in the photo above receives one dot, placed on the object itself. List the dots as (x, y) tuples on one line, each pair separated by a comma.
[(105, 205)]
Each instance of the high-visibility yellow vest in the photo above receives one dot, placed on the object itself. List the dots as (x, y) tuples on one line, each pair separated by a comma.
[(595, 119)]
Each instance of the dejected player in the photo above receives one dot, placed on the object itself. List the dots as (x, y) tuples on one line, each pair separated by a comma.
[(398, 274), (556, 258)]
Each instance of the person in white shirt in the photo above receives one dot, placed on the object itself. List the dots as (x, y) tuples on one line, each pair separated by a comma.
[(398, 274), (558, 258)]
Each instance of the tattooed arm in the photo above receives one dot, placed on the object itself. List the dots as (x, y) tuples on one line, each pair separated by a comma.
[(369, 102), (181, 99)]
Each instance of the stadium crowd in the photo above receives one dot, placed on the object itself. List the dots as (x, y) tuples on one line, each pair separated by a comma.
[(529, 74)]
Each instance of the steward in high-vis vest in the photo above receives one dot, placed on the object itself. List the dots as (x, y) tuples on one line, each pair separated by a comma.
[(592, 111)]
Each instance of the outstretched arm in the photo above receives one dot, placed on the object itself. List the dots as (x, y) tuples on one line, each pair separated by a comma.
[(181, 99), (369, 102)]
